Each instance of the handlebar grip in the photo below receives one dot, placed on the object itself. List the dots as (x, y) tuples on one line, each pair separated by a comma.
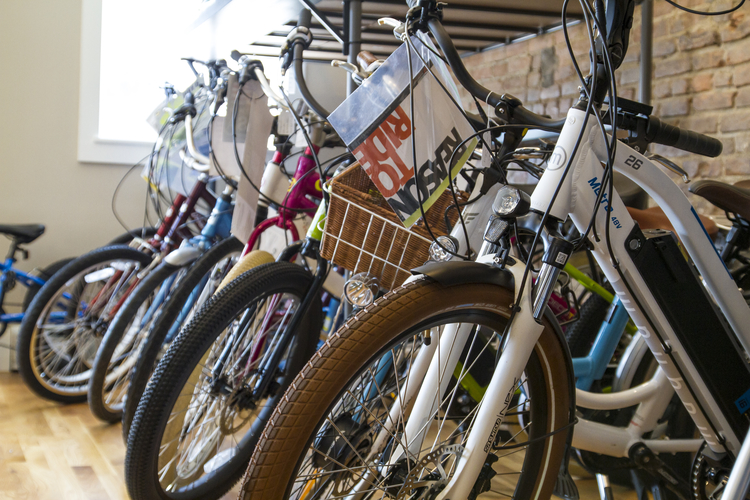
[(365, 58), (687, 140)]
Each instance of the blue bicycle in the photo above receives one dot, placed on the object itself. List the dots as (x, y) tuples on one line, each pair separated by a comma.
[(212, 254), (10, 276)]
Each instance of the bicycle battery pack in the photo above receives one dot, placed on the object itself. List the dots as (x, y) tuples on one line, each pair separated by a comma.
[(696, 320)]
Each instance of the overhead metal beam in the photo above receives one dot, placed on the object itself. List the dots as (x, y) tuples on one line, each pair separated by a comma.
[(497, 10), (323, 20), (454, 24)]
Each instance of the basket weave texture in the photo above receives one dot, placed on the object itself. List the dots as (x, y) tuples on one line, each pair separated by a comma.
[(363, 234)]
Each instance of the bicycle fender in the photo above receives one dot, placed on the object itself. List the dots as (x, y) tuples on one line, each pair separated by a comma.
[(183, 256), (462, 272)]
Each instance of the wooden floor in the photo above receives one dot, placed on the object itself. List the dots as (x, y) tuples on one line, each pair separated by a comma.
[(55, 452)]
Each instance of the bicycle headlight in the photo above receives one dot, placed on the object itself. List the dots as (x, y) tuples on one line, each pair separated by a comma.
[(510, 202), (438, 253), (361, 289)]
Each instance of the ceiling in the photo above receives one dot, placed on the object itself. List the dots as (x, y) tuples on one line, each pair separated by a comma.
[(474, 25)]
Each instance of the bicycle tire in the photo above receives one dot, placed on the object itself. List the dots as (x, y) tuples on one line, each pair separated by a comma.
[(103, 363), (45, 274), (581, 334), (184, 358), (370, 333), (140, 232), (31, 373), (149, 355)]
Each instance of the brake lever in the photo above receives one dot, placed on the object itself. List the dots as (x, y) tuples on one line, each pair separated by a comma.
[(357, 75), (399, 28), (671, 166)]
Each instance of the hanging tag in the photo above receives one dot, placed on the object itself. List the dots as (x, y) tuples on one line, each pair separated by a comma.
[(251, 92), (285, 123), (258, 129), (224, 151)]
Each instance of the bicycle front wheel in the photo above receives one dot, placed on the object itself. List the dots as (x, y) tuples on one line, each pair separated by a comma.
[(213, 391), (194, 290), (339, 429), (63, 327)]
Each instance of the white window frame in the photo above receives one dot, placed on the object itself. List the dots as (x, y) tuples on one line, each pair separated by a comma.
[(92, 148)]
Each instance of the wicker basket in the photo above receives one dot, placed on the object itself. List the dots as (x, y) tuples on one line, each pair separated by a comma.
[(363, 234)]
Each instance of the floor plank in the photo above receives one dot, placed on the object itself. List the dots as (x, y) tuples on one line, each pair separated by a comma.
[(54, 452)]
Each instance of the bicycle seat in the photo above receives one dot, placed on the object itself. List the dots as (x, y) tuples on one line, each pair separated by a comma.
[(22, 233), (735, 199)]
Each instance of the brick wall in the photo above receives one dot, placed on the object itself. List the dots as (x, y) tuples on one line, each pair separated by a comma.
[(701, 79)]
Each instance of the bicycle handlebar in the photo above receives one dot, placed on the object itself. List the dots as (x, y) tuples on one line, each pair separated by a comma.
[(687, 140), (305, 19), (267, 89), (365, 58), (520, 114), (656, 130)]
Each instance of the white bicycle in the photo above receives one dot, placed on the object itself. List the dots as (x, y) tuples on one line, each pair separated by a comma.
[(389, 407)]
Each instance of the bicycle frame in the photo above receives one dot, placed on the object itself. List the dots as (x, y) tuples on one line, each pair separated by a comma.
[(304, 188), (6, 271)]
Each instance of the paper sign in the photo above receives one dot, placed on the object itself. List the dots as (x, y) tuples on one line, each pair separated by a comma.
[(376, 124), (251, 93), (258, 126)]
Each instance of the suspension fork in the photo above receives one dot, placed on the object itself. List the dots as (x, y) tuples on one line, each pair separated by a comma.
[(222, 360), (260, 340)]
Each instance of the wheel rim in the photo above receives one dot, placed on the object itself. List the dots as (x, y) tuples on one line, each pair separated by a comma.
[(343, 454), (69, 330), (214, 416)]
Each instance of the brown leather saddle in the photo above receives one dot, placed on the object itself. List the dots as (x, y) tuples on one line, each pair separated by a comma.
[(730, 198), (734, 198)]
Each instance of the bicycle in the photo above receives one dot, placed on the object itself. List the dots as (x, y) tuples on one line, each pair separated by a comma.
[(62, 329), (299, 198), (329, 451), (10, 275), (241, 349)]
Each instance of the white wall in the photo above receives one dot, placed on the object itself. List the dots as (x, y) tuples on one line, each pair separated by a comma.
[(41, 180)]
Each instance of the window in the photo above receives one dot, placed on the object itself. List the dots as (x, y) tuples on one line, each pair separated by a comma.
[(126, 55), (131, 49)]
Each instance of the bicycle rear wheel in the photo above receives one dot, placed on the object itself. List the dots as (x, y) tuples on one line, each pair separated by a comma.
[(44, 274), (63, 327), (201, 414), (335, 430)]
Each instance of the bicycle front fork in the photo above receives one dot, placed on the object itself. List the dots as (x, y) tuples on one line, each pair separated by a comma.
[(554, 261)]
